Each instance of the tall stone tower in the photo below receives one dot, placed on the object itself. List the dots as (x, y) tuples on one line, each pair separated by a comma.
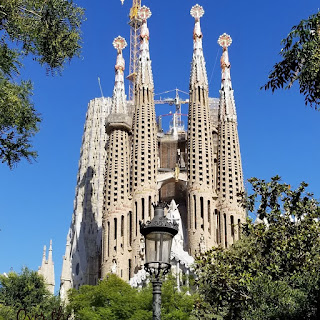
[(230, 178), (82, 259), (47, 268), (201, 190), (117, 204), (144, 142), (128, 162)]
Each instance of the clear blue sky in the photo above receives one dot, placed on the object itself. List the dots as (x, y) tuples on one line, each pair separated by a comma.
[(278, 134)]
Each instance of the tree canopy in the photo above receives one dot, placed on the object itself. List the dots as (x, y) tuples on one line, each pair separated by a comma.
[(300, 61), (273, 271), (49, 31), (26, 291), (113, 299)]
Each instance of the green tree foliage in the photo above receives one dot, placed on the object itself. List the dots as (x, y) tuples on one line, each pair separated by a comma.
[(25, 291), (273, 272), (115, 299), (49, 31), (300, 61)]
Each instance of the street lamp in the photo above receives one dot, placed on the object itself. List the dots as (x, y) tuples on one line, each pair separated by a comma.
[(158, 234)]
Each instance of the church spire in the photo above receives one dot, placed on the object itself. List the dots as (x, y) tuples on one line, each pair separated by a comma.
[(47, 269), (144, 141), (229, 110), (50, 252), (44, 255), (201, 189), (198, 70), (230, 177), (119, 97), (117, 175), (144, 68)]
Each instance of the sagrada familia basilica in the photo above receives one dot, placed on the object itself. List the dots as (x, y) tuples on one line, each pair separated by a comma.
[(128, 163)]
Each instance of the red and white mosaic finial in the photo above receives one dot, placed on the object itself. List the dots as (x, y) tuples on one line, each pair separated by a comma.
[(224, 41), (197, 11), (119, 43), (144, 13), (118, 97)]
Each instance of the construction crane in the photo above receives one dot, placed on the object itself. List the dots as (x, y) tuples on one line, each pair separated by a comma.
[(135, 24), (176, 125)]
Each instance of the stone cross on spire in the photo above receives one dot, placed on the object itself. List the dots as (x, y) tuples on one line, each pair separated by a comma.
[(198, 71), (118, 97), (225, 41)]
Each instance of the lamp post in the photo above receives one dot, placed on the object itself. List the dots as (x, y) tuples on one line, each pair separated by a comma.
[(158, 234)]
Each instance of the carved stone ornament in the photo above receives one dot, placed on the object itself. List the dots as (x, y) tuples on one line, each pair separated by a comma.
[(119, 43), (197, 11), (224, 41), (144, 13)]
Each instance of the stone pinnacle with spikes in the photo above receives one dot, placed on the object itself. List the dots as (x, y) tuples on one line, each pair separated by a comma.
[(119, 44), (197, 12), (224, 41)]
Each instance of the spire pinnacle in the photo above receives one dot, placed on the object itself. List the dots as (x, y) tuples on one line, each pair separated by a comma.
[(198, 69), (228, 108), (144, 74), (225, 41), (50, 252), (197, 12), (44, 255), (144, 14), (119, 44), (118, 98)]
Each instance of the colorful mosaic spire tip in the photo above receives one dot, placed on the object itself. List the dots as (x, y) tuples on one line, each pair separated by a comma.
[(224, 41), (197, 11), (119, 43), (144, 13)]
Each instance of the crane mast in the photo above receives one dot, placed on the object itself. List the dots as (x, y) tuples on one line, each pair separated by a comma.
[(135, 24)]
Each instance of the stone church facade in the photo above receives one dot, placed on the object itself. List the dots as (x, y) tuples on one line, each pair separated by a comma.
[(127, 163)]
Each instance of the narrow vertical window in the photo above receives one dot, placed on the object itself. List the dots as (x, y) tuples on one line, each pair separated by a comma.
[(122, 225), (225, 230), (218, 226), (150, 207), (136, 214), (201, 212), (209, 217), (129, 268), (130, 228), (195, 211), (108, 238), (142, 205), (232, 225), (115, 228), (189, 218)]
